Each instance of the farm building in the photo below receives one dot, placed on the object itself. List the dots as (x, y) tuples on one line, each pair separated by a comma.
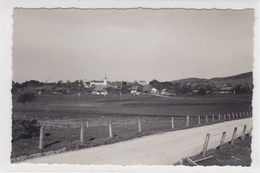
[(142, 82), (154, 90), (195, 91), (61, 90), (169, 92), (163, 91), (116, 84), (146, 89), (226, 90), (134, 89), (99, 91), (86, 84), (57, 90), (44, 89)]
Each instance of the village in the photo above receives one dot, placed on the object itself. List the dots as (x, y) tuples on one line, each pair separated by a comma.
[(105, 87)]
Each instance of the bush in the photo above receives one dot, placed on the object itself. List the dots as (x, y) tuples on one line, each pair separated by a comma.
[(26, 97), (22, 129)]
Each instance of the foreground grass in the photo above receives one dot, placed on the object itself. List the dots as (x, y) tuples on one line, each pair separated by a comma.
[(238, 154)]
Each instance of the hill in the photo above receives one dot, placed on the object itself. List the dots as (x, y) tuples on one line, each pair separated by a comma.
[(191, 80), (232, 80)]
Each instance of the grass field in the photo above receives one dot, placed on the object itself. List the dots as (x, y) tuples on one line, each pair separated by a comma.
[(155, 113)]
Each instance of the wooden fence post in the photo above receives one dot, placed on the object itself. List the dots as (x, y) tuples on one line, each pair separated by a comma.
[(110, 130), (229, 117), (213, 118), (240, 114), (219, 117), (247, 114), (191, 162), (225, 117), (172, 122), (205, 145), (139, 125), (243, 133), (187, 120), (236, 115), (234, 136), (87, 124), (233, 115), (207, 120), (244, 114), (199, 120), (82, 131), (222, 138), (41, 137)]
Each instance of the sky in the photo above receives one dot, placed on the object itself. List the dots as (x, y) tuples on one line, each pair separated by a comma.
[(134, 44)]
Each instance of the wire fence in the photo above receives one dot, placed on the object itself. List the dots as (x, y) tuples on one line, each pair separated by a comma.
[(117, 127), (84, 133), (216, 140)]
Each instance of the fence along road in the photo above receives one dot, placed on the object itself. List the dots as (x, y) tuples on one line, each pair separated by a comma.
[(160, 149)]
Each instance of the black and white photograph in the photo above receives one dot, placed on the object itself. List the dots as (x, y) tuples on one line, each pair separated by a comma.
[(132, 86)]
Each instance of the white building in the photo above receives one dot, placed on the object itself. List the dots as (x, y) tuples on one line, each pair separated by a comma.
[(153, 90), (103, 83), (99, 91), (134, 89)]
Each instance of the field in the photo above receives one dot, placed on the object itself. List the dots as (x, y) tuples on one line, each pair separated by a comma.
[(67, 111)]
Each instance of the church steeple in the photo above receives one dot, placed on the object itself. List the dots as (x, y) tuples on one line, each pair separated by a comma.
[(105, 81)]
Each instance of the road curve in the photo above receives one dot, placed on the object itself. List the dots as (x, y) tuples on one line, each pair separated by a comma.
[(160, 149)]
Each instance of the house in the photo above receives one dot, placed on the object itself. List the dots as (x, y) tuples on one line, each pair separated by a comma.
[(195, 91), (163, 91), (171, 92), (154, 90), (116, 84), (44, 89), (57, 90), (142, 82), (226, 90), (146, 89), (99, 91), (86, 84), (134, 89)]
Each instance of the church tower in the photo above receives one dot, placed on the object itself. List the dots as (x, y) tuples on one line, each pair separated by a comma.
[(105, 81)]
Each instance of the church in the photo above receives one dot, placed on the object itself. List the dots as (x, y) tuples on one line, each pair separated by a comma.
[(102, 83)]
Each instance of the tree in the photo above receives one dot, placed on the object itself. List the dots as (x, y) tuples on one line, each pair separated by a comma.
[(125, 88), (59, 83), (26, 97), (202, 91), (156, 84)]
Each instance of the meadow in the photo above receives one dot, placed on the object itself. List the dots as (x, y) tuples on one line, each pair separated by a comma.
[(67, 111)]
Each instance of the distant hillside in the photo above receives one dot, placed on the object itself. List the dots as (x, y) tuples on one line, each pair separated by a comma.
[(191, 80), (232, 80)]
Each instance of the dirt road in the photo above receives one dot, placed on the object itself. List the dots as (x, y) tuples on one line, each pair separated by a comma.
[(160, 149)]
